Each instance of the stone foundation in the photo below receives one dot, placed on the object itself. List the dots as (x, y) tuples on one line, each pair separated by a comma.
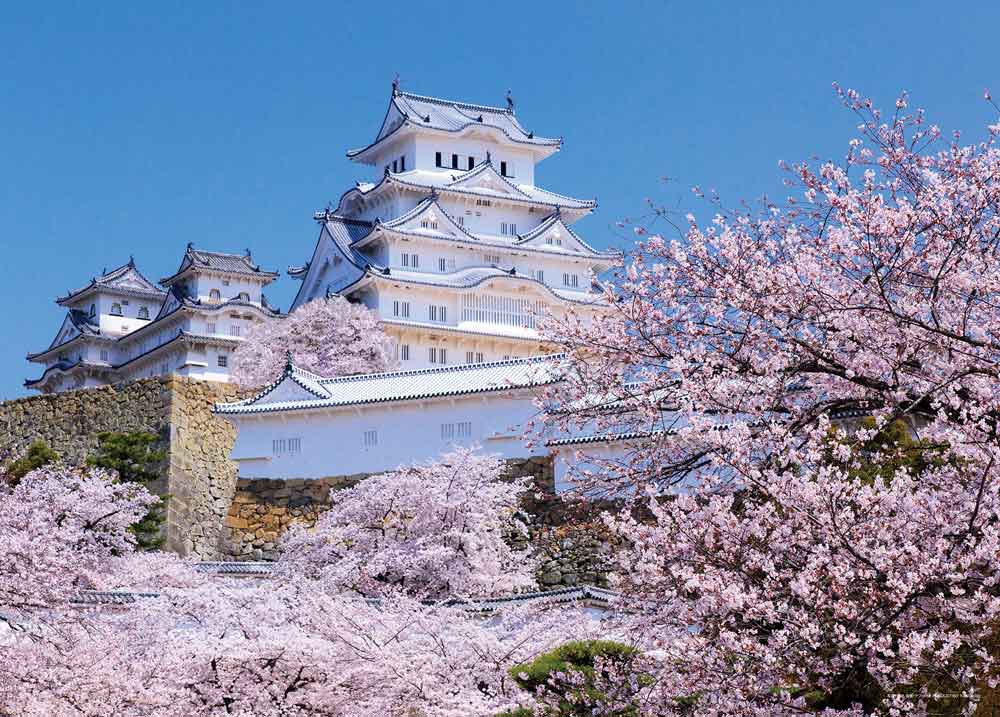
[(572, 547), (262, 510), (211, 515), (197, 472)]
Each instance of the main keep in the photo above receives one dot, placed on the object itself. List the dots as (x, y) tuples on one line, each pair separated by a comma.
[(453, 244)]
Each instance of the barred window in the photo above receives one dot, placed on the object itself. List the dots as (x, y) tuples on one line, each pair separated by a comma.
[(437, 313), (370, 439), (501, 310)]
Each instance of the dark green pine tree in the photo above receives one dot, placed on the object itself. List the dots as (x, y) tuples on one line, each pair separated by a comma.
[(135, 458), (38, 454)]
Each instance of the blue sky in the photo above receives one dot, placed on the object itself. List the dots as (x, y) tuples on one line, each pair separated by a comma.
[(126, 130)]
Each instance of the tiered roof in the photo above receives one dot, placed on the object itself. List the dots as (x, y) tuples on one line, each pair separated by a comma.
[(482, 181), (410, 111), (126, 280), (215, 261)]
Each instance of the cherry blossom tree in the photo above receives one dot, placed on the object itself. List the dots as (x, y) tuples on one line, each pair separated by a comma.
[(303, 642), (772, 573), (432, 530), (61, 527), (61, 524), (330, 337)]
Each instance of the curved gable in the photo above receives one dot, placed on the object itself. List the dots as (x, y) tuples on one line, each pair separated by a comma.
[(486, 178)]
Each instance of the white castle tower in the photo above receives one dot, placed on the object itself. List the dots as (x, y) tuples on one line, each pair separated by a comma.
[(454, 245), (122, 327)]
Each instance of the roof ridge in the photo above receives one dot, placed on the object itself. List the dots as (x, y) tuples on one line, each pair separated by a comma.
[(461, 105), (232, 255), (543, 358)]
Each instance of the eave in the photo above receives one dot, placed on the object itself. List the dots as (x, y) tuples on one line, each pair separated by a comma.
[(366, 155), (573, 207)]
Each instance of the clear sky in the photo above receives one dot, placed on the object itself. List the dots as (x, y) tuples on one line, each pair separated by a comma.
[(126, 130)]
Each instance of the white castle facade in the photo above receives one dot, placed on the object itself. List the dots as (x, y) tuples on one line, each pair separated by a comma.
[(459, 252), (121, 326), (453, 246)]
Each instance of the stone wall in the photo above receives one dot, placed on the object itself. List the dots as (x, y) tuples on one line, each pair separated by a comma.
[(571, 545), (197, 472), (211, 516), (262, 510), (69, 422), (202, 479)]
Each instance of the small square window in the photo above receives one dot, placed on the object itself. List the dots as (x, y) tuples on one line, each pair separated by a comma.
[(222, 361)]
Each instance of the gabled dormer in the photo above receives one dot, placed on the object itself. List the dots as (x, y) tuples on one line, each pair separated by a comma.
[(123, 281), (428, 218), (485, 177), (294, 384), (553, 234)]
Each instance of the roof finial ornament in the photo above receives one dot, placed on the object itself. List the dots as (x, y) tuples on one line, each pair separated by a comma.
[(248, 253), (288, 362), (434, 194), (510, 102), (131, 260), (395, 85), (487, 156), (190, 245)]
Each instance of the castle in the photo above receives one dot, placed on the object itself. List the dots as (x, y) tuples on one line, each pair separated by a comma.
[(454, 247), (121, 327)]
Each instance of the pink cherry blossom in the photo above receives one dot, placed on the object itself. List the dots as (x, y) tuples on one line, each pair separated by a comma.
[(766, 570), (330, 337)]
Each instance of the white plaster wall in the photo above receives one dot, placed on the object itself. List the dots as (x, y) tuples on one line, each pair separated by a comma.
[(420, 340), (201, 286), (332, 442), (461, 256), (520, 162), (129, 321)]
